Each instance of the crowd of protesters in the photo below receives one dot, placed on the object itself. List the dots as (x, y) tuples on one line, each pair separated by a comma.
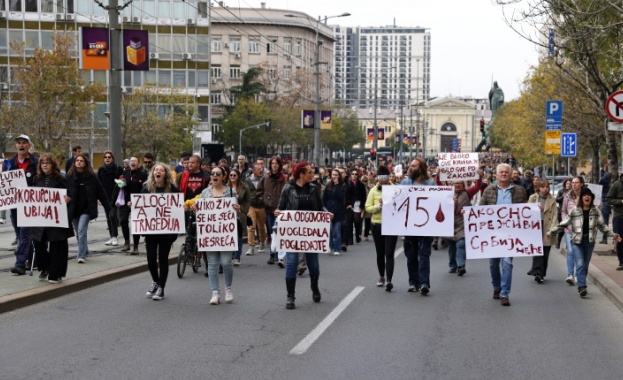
[(350, 193)]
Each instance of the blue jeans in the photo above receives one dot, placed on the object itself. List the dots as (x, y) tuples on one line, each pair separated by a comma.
[(292, 262), (336, 236), (456, 253), (24, 242), (583, 253), (570, 255), (270, 222), (501, 282), (81, 225), (417, 250), (214, 260)]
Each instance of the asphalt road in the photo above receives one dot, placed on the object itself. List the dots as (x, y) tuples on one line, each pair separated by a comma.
[(457, 332)]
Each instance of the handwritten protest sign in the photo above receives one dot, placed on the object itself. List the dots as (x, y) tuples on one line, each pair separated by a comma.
[(217, 225), (418, 211), (596, 189), (458, 166), (503, 231), (41, 207), (303, 231), (157, 213), (10, 181)]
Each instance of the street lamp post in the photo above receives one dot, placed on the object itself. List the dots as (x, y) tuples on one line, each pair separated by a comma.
[(316, 157)]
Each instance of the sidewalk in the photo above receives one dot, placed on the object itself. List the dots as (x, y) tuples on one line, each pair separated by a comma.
[(104, 263)]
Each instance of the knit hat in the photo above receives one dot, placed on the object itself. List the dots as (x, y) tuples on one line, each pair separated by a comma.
[(586, 191)]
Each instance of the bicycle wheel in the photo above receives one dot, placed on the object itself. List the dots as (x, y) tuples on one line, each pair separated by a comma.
[(197, 260), (181, 261)]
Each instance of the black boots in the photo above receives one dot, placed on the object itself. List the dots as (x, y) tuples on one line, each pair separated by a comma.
[(290, 286), (271, 259), (314, 288)]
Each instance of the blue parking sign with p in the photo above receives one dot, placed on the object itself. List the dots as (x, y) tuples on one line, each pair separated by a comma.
[(553, 115)]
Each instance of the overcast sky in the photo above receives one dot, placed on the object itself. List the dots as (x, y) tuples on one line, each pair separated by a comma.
[(470, 41)]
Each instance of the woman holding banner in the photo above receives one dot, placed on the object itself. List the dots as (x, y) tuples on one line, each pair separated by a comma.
[(584, 221), (549, 218), (302, 195), (50, 243), (84, 190), (384, 244), (218, 189), (158, 246)]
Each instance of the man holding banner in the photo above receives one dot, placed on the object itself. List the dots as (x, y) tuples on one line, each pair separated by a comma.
[(502, 193)]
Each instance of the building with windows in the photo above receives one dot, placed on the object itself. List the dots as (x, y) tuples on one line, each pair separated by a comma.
[(178, 44), (388, 66)]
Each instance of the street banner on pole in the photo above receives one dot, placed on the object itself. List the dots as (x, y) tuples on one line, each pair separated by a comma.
[(325, 119), (10, 182), (41, 207), (418, 211), (307, 119), (95, 48), (303, 231), (217, 224), (135, 50), (157, 213), (512, 230)]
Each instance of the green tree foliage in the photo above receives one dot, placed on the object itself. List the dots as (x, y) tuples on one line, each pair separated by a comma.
[(52, 103), (246, 113), (153, 120)]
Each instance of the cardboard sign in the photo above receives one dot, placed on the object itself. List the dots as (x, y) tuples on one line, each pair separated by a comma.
[(303, 231), (157, 213), (503, 231), (217, 224), (596, 189), (41, 207), (10, 181), (458, 166), (418, 211)]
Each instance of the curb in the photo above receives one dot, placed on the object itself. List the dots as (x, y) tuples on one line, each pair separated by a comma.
[(51, 291)]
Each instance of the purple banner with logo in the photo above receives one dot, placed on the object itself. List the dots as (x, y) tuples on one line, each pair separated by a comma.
[(135, 50), (307, 119)]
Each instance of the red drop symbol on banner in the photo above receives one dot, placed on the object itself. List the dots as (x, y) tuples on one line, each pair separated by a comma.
[(440, 217)]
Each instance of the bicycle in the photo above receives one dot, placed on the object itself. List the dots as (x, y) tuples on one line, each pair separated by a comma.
[(189, 252)]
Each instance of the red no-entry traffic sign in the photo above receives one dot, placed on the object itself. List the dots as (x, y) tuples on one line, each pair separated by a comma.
[(614, 106)]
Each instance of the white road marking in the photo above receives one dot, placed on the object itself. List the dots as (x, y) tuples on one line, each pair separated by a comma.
[(304, 344), (398, 252)]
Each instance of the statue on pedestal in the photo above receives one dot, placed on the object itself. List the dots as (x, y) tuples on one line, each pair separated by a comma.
[(496, 97)]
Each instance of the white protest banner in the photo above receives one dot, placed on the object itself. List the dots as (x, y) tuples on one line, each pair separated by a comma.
[(217, 224), (10, 181), (418, 211), (596, 189), (503, 231), (303, 231), (41, 207), (458, 166), (157, 213)]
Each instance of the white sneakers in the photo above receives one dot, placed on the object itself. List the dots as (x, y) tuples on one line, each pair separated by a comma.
[(216, 298), (81, 261), (250, 251), (336, 253), (112, 241), (570, 280), (262, 248), (229, 295)]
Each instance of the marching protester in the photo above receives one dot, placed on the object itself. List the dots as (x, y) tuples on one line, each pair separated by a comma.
[(569, 202), (549, 219), (257, 212), (84, 191), (27, 162), (615, 199), (334, 199), (158, 246), (566, 187), (300, 194), (75, 151), (366, 216), (244, 198), (107, 174), (456, 243), (134, 179), (385, 245), (500, 193), (268, 192), (584, 220), (219, 189), (51, 246), (418, 248)]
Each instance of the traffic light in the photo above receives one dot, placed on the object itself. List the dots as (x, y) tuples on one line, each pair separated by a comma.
[(482, 126), (268, 122), (372, 154)]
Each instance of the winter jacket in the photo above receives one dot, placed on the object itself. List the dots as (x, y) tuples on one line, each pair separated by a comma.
[(615, 198), (94, 192), (288, 199), (269, 191), (568, 204), (490, 195), (575, 219), (334, 199), (549, 215), (107, 174), (31, 171)]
